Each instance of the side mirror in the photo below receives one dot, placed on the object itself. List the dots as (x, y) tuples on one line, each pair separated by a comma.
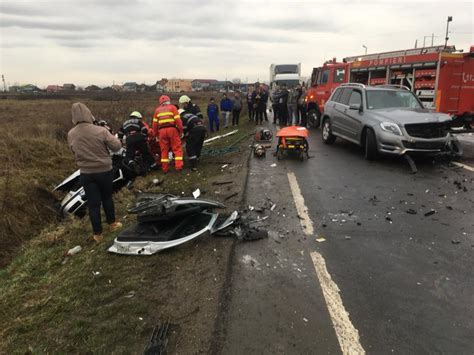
[(357, 107)]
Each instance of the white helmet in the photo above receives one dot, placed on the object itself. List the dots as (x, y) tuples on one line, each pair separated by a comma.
[(184, 99), (136, 114)]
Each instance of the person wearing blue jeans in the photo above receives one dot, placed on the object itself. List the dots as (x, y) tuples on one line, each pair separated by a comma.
[(226, 109), (213, 114)]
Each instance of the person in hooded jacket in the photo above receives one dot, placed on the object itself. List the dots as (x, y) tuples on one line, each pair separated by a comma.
[(90, 144), (186, 104), (194, 133)]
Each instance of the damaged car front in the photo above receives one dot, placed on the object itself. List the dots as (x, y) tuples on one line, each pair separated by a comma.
[(402, 125)]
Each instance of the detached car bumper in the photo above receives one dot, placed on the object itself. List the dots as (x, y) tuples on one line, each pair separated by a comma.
[(389, 143)]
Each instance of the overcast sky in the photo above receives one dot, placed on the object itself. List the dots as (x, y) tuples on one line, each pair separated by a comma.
[(105, 41)]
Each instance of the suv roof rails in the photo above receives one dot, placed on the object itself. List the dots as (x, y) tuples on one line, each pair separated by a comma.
[(393, 86), (354, 84)]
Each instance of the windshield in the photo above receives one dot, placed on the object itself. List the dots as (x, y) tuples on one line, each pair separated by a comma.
[(286, 69), (378, 99), (290, 83)]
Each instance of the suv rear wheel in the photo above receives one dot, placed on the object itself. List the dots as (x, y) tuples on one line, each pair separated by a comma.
[(371, 151), (313, 118), (326, 133)]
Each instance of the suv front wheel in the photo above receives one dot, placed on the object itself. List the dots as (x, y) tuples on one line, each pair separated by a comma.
[(371, 151), (326, 133)]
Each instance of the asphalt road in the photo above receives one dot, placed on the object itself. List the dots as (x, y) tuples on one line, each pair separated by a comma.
[(405, 280)]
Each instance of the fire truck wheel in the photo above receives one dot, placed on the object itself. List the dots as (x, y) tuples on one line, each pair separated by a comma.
[(313, 118), (326, 133), (371, 151)]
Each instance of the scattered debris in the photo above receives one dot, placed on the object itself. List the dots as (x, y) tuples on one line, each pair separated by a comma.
[(259, 151), (411, 211), (347, 237), (130, 294), (320, 239), (455, 241), (230, 196), (374, 200), (74, 251), (249, 260), (158, 340), (273, 165), (222, 182), (209, 140), (411, 163), (224, 166), (273, 207), (430, 212), (196, 193), (156, 181)]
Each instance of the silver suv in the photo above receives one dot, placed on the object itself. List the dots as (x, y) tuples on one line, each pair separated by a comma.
[(385, 119)]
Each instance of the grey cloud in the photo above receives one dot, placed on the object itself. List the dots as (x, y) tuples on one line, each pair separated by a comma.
[(44, 24)]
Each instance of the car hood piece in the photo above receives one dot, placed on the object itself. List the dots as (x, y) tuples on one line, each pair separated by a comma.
[(150, 238), (410, 116), (68, 182)]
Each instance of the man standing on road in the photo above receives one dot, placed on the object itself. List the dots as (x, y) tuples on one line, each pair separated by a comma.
[(302, 105), (226, 109), (275, 106), (186, 104), (265, 96), (90, 145), (168, 127), (283, 105), (293, 108)]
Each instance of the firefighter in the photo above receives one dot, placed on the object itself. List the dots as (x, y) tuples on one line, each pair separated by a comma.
[(167, 126), (135, 132), (186, 104), (195, 132)]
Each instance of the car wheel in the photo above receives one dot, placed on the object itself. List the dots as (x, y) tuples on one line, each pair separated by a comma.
[(326, 133), (371, 151), (313, 118)]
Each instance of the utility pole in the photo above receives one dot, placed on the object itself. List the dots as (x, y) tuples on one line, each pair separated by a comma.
[(4, 85), (432, 39), (450, 19), (364, 46)]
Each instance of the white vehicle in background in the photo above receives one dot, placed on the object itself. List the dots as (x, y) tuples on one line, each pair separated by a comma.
[(289, 74)]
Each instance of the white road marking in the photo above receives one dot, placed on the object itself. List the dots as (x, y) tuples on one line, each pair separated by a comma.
[(347, 334), (301, 208), (467, 167)]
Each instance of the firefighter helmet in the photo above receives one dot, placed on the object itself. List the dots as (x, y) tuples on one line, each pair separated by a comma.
[(136, 114), (184, 99), (163, 99)]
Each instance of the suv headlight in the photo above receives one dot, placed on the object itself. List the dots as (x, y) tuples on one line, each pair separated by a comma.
[(391, 127)]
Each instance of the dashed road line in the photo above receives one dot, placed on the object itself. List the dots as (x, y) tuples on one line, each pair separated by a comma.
[(467, 167), (347, 334)]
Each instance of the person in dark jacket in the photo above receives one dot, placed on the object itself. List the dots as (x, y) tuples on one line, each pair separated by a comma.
[(283, 105), (257, 104), (302, 105), (90, 145), (213, 114), (275, 106), (250, 108), (135, 132), (265, 96), (187, 105), (236, 108), (194, 133), (226, 109)]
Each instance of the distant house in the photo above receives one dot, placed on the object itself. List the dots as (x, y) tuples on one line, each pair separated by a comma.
[(28, 89), (178, 85), (202, 84), (92, 88), (142, 88), (130, 86), (222, 86), (69, 87), (53, 88)]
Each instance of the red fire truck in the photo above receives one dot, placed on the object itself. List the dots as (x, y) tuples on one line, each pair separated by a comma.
[(441, 77)]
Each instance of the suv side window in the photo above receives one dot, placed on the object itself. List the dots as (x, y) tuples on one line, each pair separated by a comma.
[(356, 98), (344, 98), (337, 94)]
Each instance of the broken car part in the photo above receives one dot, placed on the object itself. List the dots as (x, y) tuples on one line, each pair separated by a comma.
[(158, 341), (150, 237)]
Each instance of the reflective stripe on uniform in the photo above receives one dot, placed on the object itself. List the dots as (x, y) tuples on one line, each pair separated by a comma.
[(165, 160), (165, 114), (177, 116), (166, 120), (193, 157), (155, 119), (178, 158)]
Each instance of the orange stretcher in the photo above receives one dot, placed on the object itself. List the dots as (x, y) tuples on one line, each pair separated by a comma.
[(292, 141)]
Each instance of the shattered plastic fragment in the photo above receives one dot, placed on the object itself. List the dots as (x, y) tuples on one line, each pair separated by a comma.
[(320, 239), (430, 212)]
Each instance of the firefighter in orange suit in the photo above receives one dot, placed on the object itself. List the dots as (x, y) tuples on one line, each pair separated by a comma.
[(167, 126)]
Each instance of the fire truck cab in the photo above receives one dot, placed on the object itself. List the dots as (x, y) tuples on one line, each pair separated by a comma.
[(440, 76)]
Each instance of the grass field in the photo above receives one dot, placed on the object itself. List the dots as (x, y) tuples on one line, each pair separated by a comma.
[(97, 302)]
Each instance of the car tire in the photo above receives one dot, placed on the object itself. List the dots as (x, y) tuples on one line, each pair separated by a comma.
[(371, 151), (326, 132), (313, 118)]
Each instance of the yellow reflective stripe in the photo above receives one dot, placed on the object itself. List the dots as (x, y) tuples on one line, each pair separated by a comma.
[(178, 158), (291, 146), (165, 114), (155, 119), (177, 116), (166, 120), (165, 160)]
